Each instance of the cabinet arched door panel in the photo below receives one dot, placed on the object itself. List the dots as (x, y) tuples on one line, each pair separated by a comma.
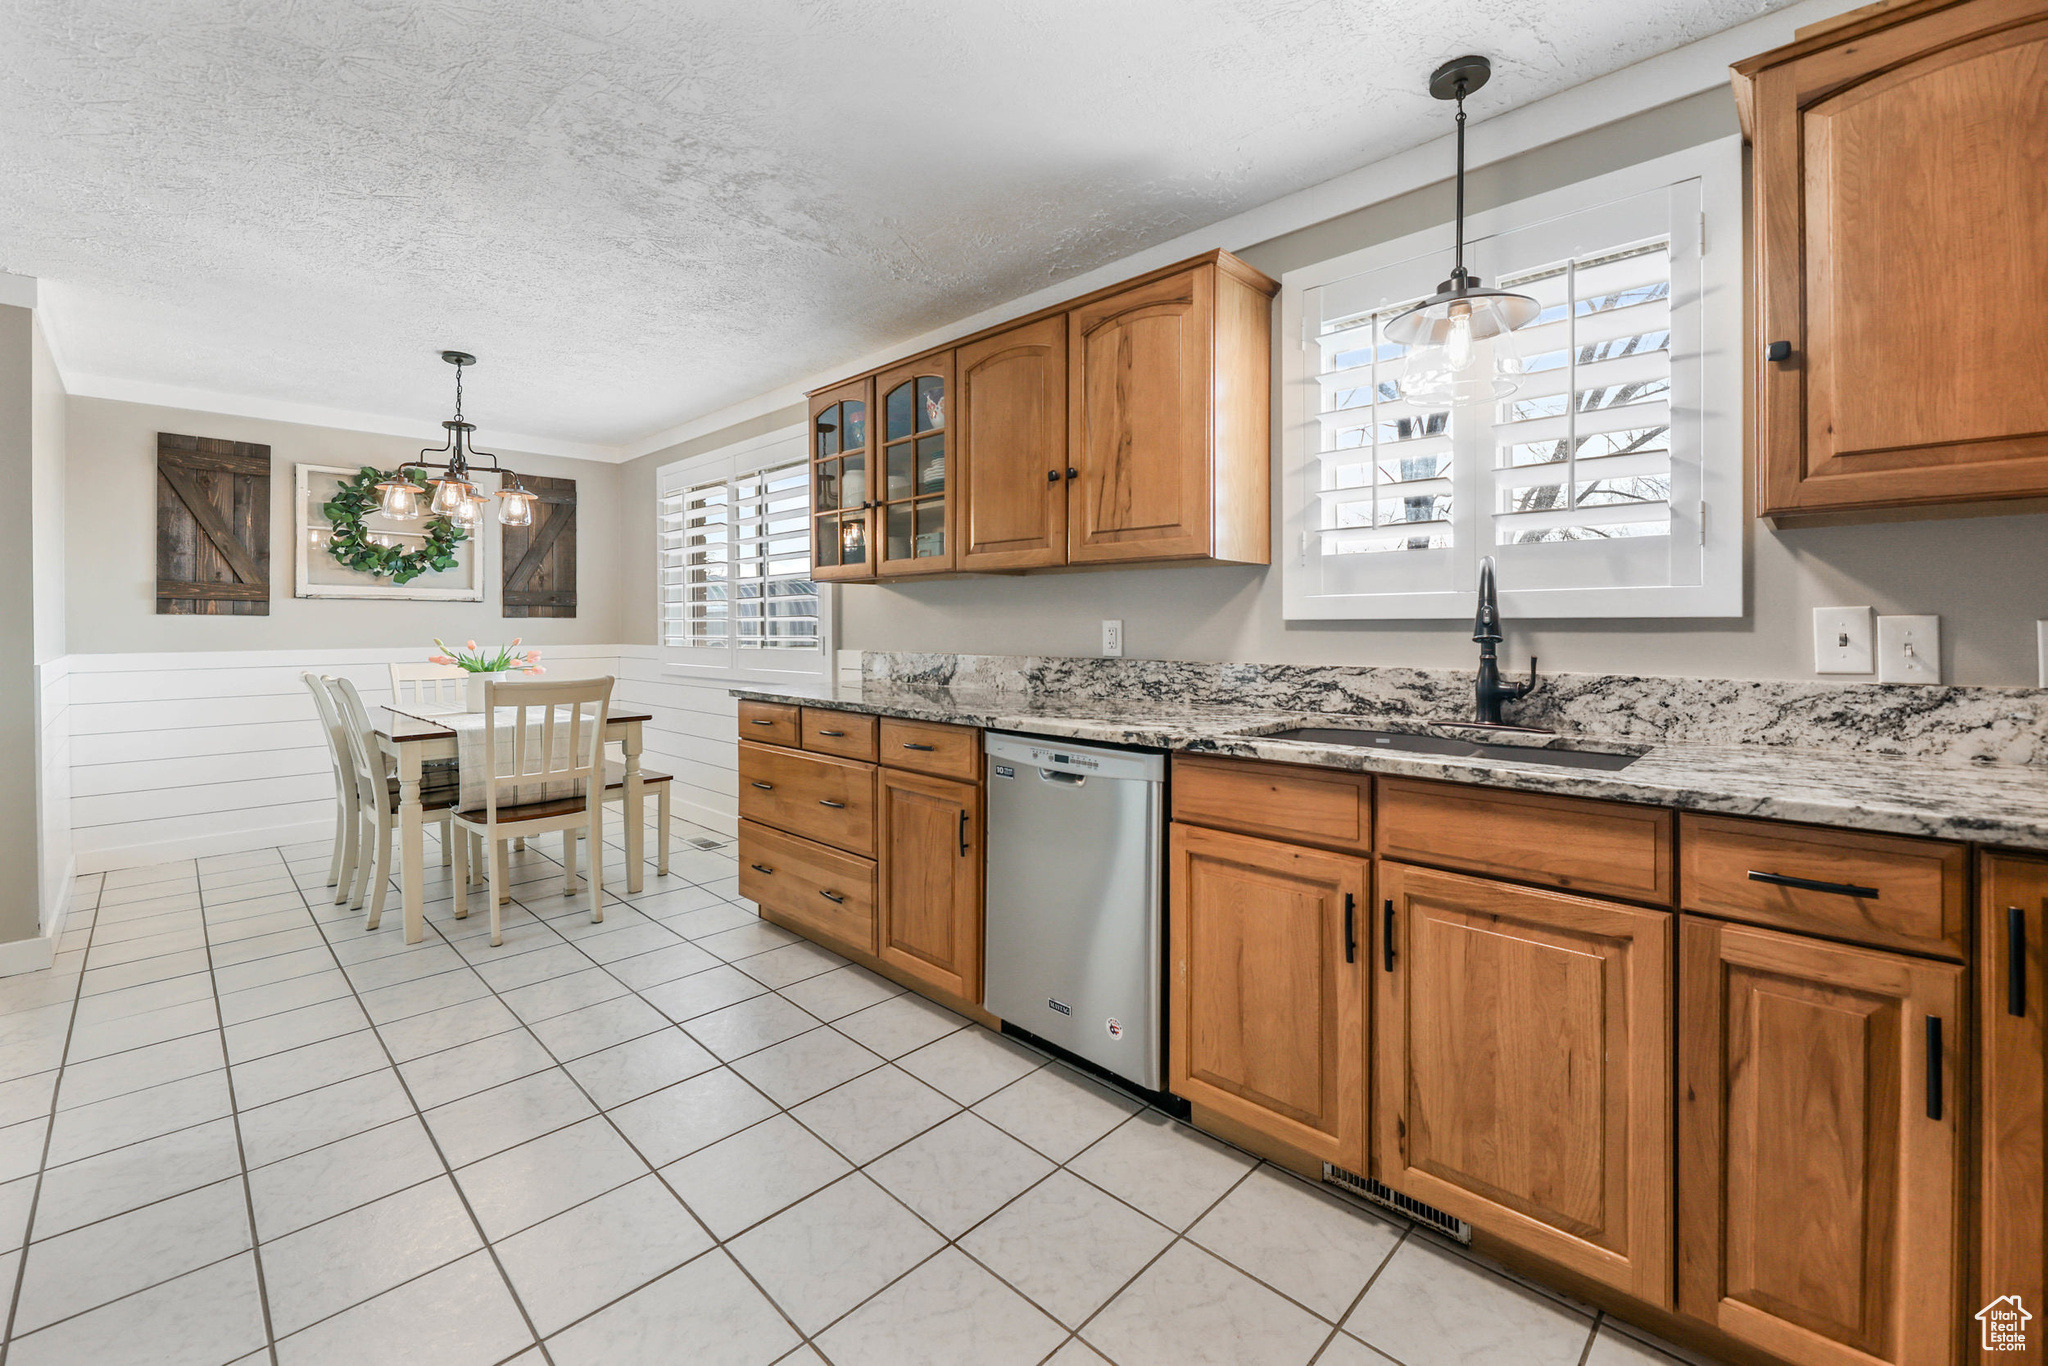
[(914, 470), (1141, 367), (842, 500), (1012, 482)]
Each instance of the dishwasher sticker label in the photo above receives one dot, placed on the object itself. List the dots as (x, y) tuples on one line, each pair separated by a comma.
[(1115, 1027), (1061, 1006), (1004, 771)]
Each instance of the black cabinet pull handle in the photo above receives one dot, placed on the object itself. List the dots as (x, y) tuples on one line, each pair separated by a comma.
[(1778, 350), (1807, 884), (963, 834), (836, 806), (835, 734), (831, 896), (1387, 937), (765, 787), (757, 721), (1052, 476), (761, 868), (1350, 928), (2015, 961), (926, 748), (1934, 1067)]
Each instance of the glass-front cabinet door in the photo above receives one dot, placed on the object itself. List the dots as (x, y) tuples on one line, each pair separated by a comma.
[(842, 496), (914, 488)]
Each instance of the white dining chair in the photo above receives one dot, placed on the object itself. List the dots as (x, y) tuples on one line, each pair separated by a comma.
[(554, 743), (377, 794), (341, 869), (429, 685)]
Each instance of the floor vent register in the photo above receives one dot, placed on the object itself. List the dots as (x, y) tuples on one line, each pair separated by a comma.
[(1406, 1206)]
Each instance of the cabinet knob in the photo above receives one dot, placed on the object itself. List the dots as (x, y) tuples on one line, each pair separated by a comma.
[(1052, 476), (1778, 350)]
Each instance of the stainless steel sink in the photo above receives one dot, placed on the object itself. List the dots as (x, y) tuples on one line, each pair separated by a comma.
[(1407, 742)]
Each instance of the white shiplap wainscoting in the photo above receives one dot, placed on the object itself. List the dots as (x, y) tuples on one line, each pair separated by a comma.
[(693, 735), (179, 755)]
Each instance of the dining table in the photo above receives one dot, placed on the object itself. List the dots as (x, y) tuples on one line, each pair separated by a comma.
[(418, 734)]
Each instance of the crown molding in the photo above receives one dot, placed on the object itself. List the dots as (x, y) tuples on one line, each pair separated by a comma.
[(315, 415)]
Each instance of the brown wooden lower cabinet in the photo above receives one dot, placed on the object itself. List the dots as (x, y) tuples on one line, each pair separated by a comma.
[(1819, 1149), (2012, 1013), (1265, 989), (929, 922), (1523, 1072), (829, 893)]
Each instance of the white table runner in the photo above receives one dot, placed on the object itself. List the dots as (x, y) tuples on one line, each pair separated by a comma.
[(478, 768)]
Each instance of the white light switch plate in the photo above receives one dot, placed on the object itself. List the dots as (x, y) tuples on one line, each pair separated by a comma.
[(1909, 649), (1844, 639), (1112, 639)]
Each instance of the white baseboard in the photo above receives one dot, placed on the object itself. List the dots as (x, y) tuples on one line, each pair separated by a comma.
[(55, 916), (27, 955), (227, 842), (711, 818)]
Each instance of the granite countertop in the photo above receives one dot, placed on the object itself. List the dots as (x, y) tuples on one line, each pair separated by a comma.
[(1997, 804)]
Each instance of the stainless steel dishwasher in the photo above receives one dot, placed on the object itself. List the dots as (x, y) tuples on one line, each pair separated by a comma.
[(1075, 931)]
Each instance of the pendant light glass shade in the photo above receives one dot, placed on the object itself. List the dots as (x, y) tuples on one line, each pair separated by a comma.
[(1460, 340), (517, 507), (450, 494), (401, 499), (1461, 346)]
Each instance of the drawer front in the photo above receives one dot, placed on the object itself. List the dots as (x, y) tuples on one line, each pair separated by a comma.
[(770, 723), (1607, 848), (820, 889), (1887, 890), (1291, 802), (925, 747), (847, 734), (828, 800)]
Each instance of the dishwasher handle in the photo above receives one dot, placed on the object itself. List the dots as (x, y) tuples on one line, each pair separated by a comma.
[(1053, 775)]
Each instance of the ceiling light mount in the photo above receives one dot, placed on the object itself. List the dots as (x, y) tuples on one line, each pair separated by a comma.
[(1456, 79)]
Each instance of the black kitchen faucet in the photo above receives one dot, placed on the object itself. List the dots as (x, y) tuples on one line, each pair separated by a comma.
[(1486, 630)]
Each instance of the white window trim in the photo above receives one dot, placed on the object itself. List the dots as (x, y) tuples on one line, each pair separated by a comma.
[(743, 457), (1717, 165)]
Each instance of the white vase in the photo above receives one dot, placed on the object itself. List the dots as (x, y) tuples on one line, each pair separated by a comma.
[(474, 686)]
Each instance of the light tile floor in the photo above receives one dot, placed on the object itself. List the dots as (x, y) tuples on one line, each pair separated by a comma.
[(237, 1127)]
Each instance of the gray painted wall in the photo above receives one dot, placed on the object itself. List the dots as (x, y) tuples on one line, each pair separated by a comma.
[(112, 553), (1987, 578), (20, 913)]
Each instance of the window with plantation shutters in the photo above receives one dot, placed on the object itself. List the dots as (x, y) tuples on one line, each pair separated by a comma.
[(734, 590), (1604, 475)]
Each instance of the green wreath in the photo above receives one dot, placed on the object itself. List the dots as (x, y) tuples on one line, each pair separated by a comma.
[(351, 544)]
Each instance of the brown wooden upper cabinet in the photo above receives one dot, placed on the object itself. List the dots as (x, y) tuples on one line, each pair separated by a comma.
[(1129, 425), (913, 497), (1013, 418), (842, 453), (1899, 198)]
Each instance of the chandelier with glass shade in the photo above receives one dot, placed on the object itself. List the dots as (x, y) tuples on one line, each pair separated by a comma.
[(1460, 339), (454, 494)]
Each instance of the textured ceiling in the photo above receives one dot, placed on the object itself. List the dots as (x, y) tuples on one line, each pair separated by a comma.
[(636, 211)]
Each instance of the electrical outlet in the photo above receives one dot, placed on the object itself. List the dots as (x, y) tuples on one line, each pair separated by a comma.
[(1909, 649), (1844, 639), (1112, 639)]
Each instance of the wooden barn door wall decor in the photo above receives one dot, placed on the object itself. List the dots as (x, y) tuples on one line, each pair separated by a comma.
[(540, 560), (212, 527)]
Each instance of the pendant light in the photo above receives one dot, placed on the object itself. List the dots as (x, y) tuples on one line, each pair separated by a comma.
[(1460, 339), (455, 495)]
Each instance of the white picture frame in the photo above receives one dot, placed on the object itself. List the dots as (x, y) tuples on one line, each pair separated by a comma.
[(319, 575)]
